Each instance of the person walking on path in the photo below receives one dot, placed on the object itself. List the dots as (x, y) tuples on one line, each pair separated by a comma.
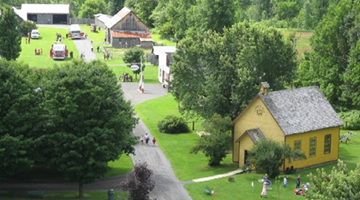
[(142, 139), (263, 192), (154, 141), (147, 138), (298, 181), (285, 181)]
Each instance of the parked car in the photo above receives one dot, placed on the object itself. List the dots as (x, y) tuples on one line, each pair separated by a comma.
[(35, 34)]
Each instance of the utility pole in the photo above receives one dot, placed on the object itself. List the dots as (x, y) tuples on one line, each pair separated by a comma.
[(141, 81), (294, 39)]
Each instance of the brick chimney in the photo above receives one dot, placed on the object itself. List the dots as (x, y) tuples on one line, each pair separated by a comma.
[(264, 86)]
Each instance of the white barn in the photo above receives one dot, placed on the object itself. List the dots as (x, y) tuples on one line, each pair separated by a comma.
[(44, 13)]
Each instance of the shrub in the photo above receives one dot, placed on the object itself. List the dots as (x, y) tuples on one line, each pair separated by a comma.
[(173, 124), (26, 27), (138, 182), (351, 119)]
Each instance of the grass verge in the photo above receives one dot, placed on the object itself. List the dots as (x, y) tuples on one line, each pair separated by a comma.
[(242, 187), (176, 147)]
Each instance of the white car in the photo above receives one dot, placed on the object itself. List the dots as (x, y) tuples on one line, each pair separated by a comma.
[(35, 34)]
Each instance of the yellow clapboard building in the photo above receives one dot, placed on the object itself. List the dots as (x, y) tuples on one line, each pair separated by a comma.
[(302, 118)]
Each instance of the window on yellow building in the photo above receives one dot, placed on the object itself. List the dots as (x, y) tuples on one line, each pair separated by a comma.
[(297, 145), (312, 150), (327, 144)]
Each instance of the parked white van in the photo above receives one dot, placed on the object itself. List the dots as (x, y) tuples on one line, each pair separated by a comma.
[(35, 34)]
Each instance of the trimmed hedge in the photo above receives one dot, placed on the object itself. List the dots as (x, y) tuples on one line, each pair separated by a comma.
[(173, 124)]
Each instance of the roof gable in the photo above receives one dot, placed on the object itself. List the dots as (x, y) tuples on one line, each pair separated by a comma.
[(301, 110), (46, 8), (118, 17), (255, 135)]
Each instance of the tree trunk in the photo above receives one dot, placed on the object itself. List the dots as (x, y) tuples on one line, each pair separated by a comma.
[(81, 190)]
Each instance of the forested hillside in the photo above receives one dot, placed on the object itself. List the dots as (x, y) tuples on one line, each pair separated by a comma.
[(172, 17), (333, 63)]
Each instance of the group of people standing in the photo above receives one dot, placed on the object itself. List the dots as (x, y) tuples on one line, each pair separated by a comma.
[(146, 138), (266, 183)]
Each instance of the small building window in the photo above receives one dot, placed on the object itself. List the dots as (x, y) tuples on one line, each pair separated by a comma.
[(327, 144), (312, 146), (297, 145)]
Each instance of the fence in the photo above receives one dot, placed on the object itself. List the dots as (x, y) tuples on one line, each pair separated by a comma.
[(82, 21)]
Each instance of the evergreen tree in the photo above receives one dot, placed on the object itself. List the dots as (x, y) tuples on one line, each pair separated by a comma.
[(10, 39)]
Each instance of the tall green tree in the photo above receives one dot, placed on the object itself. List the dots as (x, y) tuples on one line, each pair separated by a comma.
[(215, 145), (10, 39), (269, 156), (90, 123), (143, 9), (340, 183), (114, 6), (135, 56), (222, 71), (215, 15), (287, 10), (19, 117), (333, 40), (173, 18), (351, 87), (91, 7)]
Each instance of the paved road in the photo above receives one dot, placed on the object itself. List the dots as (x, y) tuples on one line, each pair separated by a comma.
[(83, 45), (167, 186)]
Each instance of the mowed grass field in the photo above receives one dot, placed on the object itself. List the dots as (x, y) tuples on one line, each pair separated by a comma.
[(302, 41), (192, 166), (47, 38)]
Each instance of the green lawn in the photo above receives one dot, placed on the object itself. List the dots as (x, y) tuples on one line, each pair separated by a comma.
[(242, 185), (120, 166), (177, 146), (47, 38), (189, 166), (302, 41), (158, 40)]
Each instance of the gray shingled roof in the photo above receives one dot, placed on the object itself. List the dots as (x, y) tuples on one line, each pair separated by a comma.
[(301, 110), (256, 135)]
